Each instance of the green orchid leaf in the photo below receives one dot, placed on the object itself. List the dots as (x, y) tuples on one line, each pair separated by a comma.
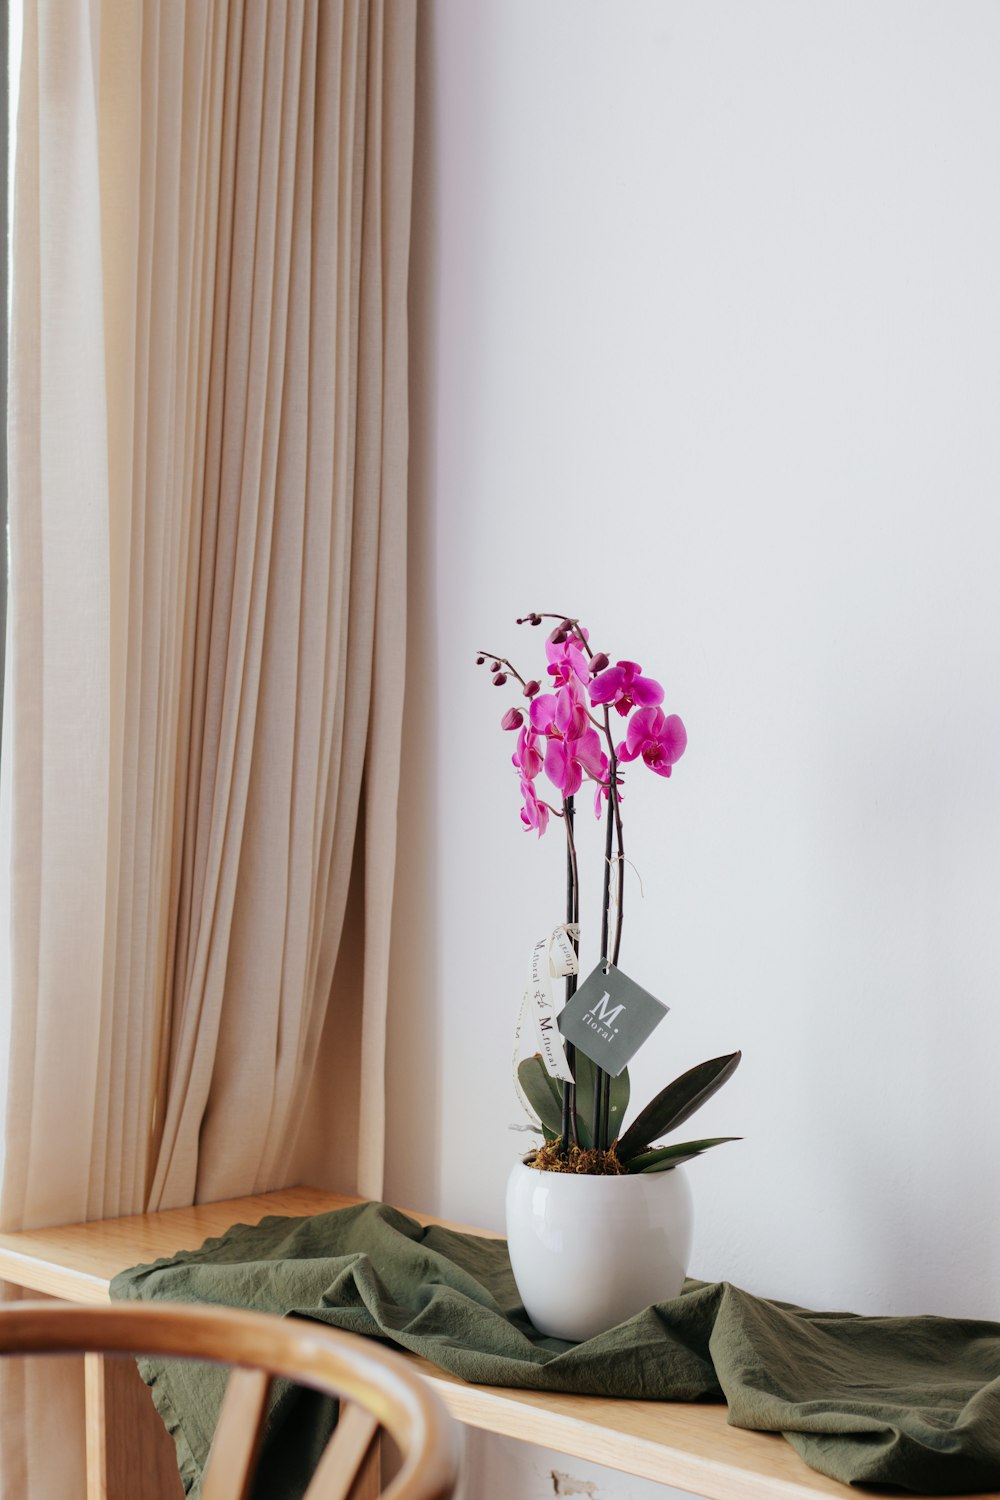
[(584, 1094), (543, 1091), (666, 1165), (666, 1157), (676, 1103), (585, 1070)]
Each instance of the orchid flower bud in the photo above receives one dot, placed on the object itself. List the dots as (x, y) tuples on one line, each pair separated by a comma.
[(598, 663), (512, 719), (499, 678), (480, 660), (531, 688)]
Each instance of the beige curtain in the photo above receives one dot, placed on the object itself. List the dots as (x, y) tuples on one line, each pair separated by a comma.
[(203, 715)]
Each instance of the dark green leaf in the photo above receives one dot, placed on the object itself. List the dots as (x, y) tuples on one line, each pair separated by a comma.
[(665, 1157), (676, 1103), (661, 1166), (543, 1091)]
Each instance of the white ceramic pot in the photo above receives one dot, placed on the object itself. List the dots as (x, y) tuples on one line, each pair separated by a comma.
[(589, 1252)]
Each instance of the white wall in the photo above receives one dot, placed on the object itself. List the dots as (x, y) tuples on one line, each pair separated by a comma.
[(706, 322)]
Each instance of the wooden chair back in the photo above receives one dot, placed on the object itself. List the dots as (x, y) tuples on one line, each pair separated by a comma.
[(377, 1390)]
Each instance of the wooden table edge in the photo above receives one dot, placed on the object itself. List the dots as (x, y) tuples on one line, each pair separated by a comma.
[(50, 1278), (492, 1409), (34, 1260)]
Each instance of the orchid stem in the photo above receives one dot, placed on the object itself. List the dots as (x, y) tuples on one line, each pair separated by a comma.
[(606, 903), (613, 799), (620, 913), (613, 837), (597, 1122), (495, 656), (569, 1129)]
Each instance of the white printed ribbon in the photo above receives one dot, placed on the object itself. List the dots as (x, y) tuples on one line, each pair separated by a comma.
[(552, 957)]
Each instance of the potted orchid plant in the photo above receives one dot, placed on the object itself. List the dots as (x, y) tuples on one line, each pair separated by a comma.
[(571, 1063)]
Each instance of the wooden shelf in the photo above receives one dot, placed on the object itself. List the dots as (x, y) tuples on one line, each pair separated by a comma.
[(685, 1444), (78, 1261)]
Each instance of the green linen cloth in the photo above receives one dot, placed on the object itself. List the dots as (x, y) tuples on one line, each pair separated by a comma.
[(912, 1403)]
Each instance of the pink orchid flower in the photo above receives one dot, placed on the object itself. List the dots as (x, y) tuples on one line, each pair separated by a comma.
[(624, 686), (660, 740), (563, 714), (527, 757), (567, 662), (567, 761), (534, 814), (573, 747), (603, 792)]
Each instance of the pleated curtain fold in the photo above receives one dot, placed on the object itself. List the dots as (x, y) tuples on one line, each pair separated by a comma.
[(202, 720)]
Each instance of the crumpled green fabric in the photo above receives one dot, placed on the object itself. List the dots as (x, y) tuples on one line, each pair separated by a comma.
[(912, 1403)]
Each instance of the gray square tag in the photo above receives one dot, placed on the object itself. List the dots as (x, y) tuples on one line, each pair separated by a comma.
[(610, 1017)]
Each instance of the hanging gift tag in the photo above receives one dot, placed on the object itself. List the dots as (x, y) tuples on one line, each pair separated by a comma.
[(552, 957), (610, 1017)]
